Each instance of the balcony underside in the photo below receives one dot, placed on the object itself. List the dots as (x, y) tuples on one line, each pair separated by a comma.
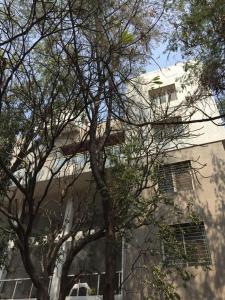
[(117, 297)]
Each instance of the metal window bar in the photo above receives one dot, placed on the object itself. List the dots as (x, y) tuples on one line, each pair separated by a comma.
[(165, 180), (175, 177), (194, 245), (182, 176)]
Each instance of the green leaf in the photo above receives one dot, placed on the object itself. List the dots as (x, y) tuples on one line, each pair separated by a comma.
[(156, 80), (127, 37)]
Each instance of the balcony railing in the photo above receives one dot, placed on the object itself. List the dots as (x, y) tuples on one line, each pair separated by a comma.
[(18, 288), (87, 285)]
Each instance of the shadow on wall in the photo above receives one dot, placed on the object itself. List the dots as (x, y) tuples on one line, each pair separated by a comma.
[(206, 284), (210, 284)]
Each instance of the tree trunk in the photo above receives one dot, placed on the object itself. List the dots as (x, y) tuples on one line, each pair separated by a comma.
[(110, 251), (43, 297), (62, 295), (42, 293), (65, 288)]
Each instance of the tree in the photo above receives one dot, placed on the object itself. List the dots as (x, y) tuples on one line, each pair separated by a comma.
[(40, 105), (67, 67), (199, 34)]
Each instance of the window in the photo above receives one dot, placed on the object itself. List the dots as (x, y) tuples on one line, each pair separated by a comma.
[(175, 177), (162, 95), (187, 245), (168, 131)]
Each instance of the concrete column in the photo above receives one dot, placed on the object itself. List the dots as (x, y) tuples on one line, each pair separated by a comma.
[(56, 278), (122, 267)]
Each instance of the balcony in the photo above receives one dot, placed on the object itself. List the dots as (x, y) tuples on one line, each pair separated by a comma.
[(88, 287)]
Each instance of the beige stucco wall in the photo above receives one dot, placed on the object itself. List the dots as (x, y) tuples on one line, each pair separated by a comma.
[(208, 162)]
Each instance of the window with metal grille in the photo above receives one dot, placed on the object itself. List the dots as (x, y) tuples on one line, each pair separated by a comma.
[(175, 177), (187, 245)]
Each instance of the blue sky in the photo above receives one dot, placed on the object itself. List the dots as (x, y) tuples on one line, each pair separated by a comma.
[(162, 58)]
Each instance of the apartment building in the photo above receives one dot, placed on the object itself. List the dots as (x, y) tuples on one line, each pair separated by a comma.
[(192, 174)]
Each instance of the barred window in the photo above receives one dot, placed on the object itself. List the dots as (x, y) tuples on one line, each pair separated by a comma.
[(175, 177), (188, 245)]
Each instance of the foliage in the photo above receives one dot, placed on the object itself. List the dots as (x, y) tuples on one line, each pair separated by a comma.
[(199, 34), (4, 246), (129, 178)]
